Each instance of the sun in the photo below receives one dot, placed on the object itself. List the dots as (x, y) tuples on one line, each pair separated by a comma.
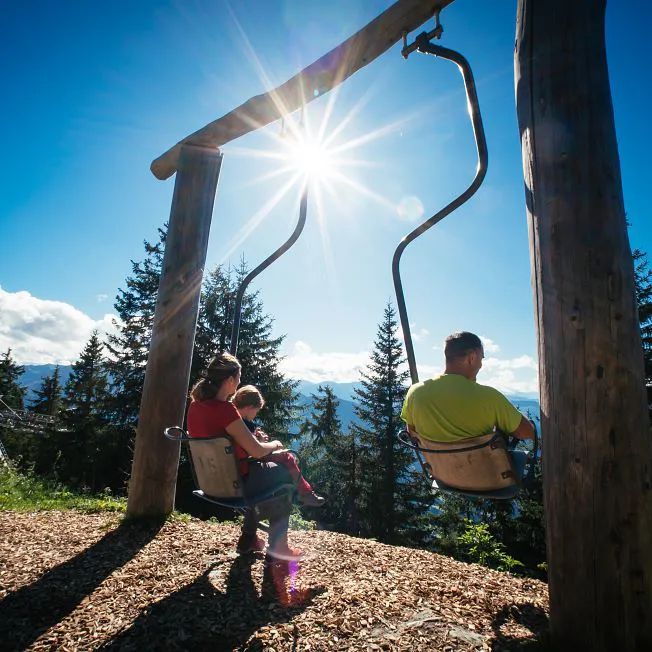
[(309, 157)]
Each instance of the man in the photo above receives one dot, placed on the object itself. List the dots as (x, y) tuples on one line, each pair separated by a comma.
[(453, 406)]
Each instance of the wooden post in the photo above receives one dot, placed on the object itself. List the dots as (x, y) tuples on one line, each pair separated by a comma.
[(156, 459), (597, 446)]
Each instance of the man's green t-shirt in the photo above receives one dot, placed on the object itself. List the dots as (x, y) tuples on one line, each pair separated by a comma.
[(453, 407)]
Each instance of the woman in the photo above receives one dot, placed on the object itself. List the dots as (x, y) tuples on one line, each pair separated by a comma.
[(211, 413)]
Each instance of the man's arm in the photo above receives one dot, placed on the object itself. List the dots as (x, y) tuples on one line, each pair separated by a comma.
[(525, 430)]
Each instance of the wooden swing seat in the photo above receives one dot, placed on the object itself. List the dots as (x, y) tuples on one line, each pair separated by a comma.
[(474, 464), (216, 473)]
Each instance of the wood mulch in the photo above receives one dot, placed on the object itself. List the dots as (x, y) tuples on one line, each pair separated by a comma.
[(73, 581)]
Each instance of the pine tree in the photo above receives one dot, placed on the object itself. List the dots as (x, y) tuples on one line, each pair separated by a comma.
[(323, 424), (394, 498), (84, 445), (329, 460), (47, 398), (11, 400), (258, 351), (11, 392), (643, 287), (129, 347)]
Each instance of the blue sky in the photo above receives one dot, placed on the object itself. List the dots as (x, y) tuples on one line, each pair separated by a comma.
[(95, 91)]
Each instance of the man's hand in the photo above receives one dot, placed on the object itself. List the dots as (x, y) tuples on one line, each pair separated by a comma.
[(525, 430)]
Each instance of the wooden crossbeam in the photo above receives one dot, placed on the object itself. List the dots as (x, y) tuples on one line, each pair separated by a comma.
[(313, 81)]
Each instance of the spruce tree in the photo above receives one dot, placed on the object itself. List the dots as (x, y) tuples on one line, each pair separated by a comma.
[(47, 398), (129, 347), (643, 287), (85, 445), (329, 460), (11, 392), (258, 351), (12, 395), (394, 497), (323, 424)]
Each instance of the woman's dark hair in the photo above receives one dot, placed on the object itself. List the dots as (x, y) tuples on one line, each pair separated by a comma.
[(459, 344), (221, 367)]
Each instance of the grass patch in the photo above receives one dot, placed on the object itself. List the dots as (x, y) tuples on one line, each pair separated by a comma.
[(25, 492)]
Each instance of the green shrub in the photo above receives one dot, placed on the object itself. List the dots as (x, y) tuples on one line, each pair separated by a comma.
[(476, 544), (297, 522), (27, 492)]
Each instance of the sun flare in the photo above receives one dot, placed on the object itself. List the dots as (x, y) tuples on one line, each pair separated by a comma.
[(308, 156)]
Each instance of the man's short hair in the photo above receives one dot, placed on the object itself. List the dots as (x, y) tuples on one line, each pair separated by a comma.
[(459, 344)]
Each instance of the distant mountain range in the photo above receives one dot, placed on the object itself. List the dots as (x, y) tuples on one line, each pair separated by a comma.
[(34, 374)]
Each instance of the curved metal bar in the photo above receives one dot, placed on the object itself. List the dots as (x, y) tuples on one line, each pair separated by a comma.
[(478, 131), (237, 313), (406, 440)]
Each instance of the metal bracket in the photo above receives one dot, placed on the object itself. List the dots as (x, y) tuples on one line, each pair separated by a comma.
[(435, 33)]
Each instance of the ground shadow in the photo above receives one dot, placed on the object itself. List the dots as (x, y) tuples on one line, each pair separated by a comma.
[(528, 615), (33, 609), (200, 617)]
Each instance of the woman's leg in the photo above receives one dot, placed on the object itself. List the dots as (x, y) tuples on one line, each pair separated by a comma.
[(249, 540), (263, 477)]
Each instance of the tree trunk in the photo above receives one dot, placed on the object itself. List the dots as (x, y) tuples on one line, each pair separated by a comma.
[(597, 446), (156, 459)]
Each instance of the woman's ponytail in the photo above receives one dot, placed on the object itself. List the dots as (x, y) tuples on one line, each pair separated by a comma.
[(221, 367)]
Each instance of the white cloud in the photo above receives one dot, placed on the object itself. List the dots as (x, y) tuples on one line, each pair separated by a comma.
[(101, 297), (41, 331), (511, 375), (417, 335), (305, 364), (421, 334), (489, 345)]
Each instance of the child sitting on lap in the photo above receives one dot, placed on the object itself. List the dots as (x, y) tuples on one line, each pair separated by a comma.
[(249, 401)]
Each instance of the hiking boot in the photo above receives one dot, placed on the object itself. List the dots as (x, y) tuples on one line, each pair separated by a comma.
[(247, 544), (312, 500)]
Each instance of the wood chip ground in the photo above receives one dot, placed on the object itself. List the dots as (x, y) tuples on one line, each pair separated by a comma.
[(72, 581)]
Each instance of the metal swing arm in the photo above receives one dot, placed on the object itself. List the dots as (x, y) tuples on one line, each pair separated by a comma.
[(237, 312), (423, 45)]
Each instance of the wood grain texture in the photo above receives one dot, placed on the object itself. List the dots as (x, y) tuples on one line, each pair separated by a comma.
[(313, 81), (597, 445), (156, 459)]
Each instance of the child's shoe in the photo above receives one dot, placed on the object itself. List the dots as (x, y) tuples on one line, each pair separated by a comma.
[(311, 499)]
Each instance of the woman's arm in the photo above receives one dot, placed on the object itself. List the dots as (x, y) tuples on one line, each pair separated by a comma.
[(243, 437)]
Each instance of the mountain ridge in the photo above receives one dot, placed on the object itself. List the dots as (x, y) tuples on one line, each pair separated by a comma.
[(345, 392)]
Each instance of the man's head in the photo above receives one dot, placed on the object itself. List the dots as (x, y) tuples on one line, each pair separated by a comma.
[(464, 353)]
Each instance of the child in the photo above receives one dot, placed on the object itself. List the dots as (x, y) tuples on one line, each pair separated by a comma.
[(249, 401)]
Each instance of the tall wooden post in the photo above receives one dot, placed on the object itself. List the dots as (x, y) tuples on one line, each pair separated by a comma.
[(597, 445), (154, 469)]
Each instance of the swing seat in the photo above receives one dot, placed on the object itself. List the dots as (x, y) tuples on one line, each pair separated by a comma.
[(519, 461), (477, 464), (216, 474)]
